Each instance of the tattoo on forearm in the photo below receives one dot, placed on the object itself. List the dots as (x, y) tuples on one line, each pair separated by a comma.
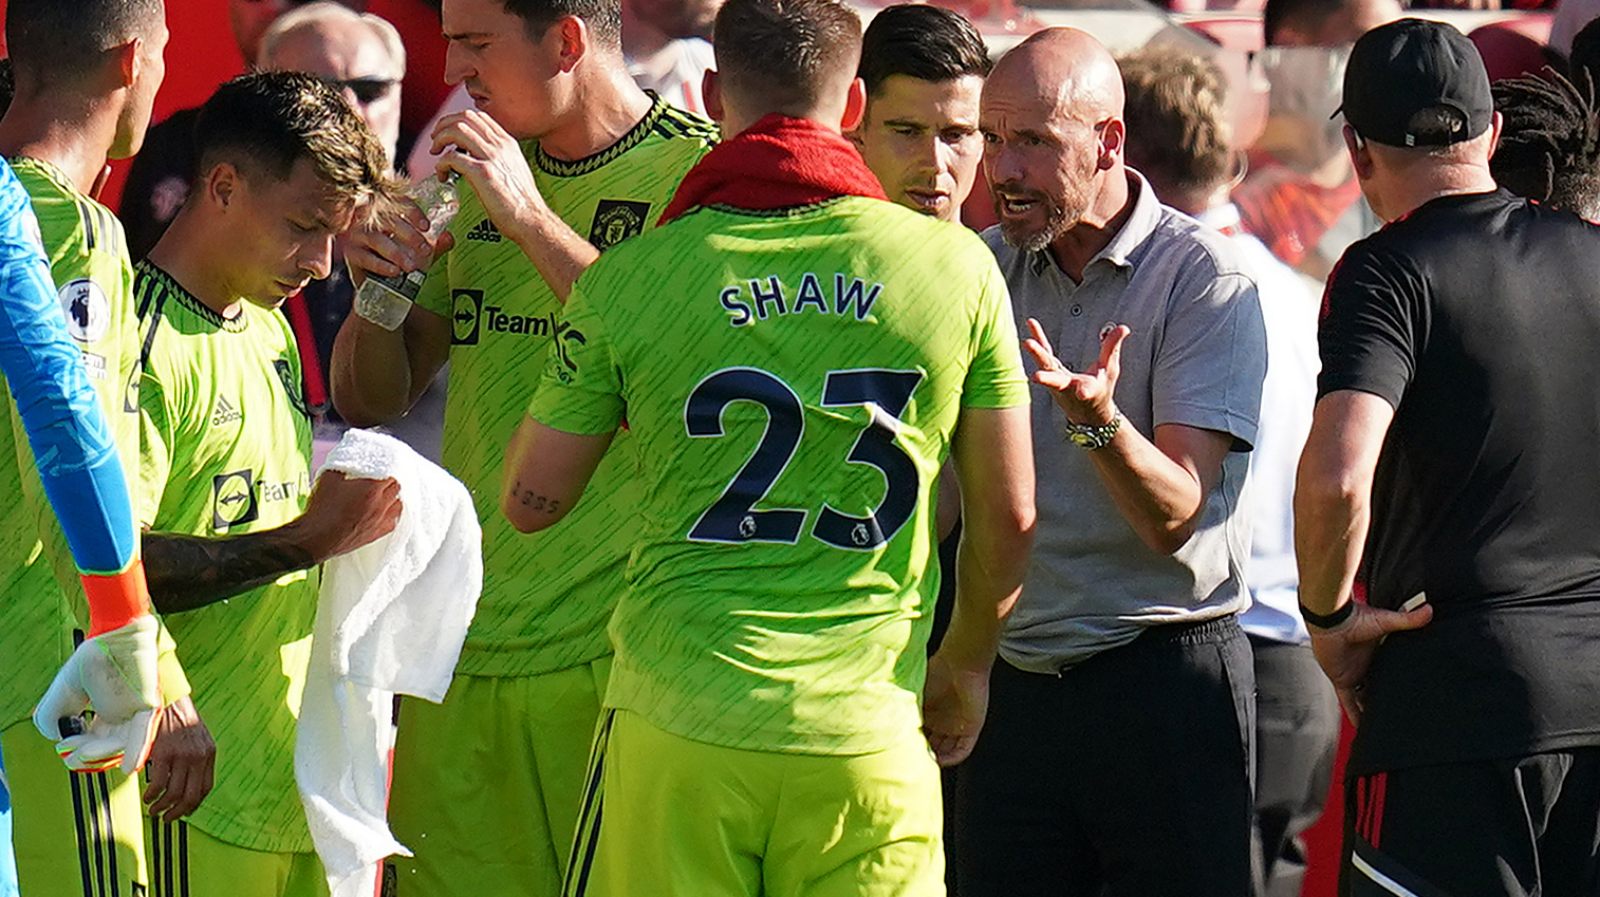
[(533, 501), (190, 572)]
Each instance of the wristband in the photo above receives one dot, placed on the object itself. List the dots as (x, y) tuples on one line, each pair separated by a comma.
[(1328, 621), (117, 599)]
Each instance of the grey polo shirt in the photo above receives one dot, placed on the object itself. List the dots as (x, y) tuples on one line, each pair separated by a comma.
[(1197, 356)]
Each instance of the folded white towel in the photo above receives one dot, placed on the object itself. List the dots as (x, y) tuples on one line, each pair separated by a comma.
[(391, 618)]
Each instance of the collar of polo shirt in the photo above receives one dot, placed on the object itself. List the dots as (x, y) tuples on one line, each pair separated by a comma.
[(1140, 225)]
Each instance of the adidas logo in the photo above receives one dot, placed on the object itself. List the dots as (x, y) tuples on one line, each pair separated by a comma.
[(484, 232), (224, 413)]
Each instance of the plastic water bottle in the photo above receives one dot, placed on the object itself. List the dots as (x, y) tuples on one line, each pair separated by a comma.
[(386, 301)]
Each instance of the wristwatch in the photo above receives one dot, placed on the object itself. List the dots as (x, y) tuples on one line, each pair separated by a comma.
[(1092, 436)]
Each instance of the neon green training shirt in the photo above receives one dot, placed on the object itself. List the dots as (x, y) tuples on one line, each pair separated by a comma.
[(504, 316), (40, 595), (226, 449), (792, 380)]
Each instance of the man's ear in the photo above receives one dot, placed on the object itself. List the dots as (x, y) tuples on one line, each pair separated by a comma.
[(711, 92), (1113, 137), (1360, 154), (855, 106), (221, 186), (128, 61), (576, 40)]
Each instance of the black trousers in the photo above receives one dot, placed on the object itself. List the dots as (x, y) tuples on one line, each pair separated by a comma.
[(1128, 775), (1297, 737), (1521, 827)]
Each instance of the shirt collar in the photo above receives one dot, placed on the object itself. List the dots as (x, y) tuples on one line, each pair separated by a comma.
[(1225, 218), (1141, 223)]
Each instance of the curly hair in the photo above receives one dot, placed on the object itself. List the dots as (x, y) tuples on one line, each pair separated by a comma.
[(1178, 130), (1550, 144)]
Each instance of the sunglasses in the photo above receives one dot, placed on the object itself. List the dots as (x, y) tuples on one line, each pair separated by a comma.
[(366, 90)]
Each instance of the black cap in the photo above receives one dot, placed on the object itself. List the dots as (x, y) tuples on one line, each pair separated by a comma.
[(1399, 69)]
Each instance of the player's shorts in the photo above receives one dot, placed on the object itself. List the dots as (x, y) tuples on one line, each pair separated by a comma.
[(1518, 827), (8, 863), (75, 834), (670, 817), (186, 862), (487, 785)]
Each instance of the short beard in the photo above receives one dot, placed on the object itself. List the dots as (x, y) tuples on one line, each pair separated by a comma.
[(1061, 215), (1057, 222)]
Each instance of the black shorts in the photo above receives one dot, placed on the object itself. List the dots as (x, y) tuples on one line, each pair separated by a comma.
[(1521, 827), (1127, 775)]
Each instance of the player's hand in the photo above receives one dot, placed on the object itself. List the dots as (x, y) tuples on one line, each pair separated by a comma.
[(1088, 397), (113, 674), (179, 774), (345, 513), (394, 243), (954, 704), (1345, 651), (477, 148)]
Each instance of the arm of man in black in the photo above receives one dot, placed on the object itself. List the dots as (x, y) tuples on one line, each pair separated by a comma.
[(1374, 323)]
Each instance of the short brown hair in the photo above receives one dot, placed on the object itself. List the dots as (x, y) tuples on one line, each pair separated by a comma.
[(1178, 131), (786, 53), (267, 121)]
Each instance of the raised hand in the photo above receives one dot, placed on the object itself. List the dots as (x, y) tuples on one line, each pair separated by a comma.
[(1087, 397), (492, 162)]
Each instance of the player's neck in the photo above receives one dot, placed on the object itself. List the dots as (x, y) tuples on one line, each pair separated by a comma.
[(606, 106), (186, 253), (50, 129)]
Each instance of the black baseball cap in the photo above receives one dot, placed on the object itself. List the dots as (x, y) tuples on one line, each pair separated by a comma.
[(1399, 69)]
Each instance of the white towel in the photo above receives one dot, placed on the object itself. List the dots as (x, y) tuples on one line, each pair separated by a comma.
[(391, 617)]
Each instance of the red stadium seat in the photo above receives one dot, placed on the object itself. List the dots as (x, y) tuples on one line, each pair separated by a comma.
[(1232, 31), (1513, 47)]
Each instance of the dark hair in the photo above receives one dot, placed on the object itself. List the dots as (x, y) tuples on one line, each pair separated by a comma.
[(1585, 54), (57, 39), (929, 43), (267, 121), (8, 86), (1309, 14), (604, 17), (1550, 143), (785, 53), (1177, 119)]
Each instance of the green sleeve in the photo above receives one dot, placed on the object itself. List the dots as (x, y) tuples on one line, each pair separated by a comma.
[(996, 378), (581, 390)]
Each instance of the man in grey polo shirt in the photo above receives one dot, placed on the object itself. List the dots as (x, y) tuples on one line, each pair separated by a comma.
[(1117, 754)]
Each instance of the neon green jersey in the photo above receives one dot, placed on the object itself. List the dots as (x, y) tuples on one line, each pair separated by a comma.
[(226, 449), (40, 592), (792, 381), (503, 316)]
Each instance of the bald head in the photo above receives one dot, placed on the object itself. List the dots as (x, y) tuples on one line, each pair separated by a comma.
[(1052, 125), (1065, 66)]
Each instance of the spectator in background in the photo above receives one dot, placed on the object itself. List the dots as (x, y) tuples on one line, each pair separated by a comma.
[(1550, 144), (1300, 196), (1178, 106), (158, 180), (1117, 753), (362, 55)]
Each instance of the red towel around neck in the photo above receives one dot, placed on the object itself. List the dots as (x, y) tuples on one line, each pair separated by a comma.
[(777, 163)]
